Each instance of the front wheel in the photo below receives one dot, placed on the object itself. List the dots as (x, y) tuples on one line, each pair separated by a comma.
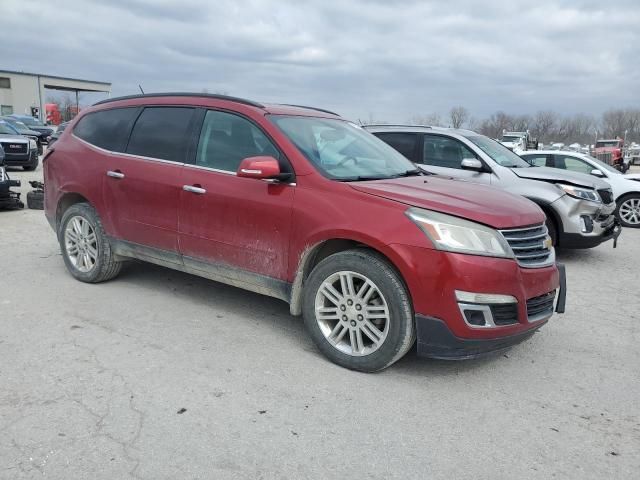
[(358, 312), (628, 211)]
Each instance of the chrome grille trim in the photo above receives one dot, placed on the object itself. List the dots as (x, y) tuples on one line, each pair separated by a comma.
[(529, 246)]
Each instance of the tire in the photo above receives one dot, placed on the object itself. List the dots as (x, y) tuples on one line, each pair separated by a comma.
[(388, 309), (628, 210), (35, 200), (103, 265), (553, 231)]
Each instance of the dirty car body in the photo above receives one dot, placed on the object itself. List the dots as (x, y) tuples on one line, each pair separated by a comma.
[(268, 197)]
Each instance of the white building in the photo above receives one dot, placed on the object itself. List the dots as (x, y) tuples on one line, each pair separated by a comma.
[(23, 93)]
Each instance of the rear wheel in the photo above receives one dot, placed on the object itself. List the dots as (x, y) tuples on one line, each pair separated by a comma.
[(358, 312), (628, 211), (85, 247)]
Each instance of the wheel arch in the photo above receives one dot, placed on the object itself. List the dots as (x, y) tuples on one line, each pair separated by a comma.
[(66, 201), (318, 251)]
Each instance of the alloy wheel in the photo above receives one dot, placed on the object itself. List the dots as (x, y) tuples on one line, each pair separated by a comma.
[(630, 211), (352, 313), (81, 244)]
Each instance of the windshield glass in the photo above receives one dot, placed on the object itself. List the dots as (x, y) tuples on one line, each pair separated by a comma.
[(603, 166), (342, 150), (498, 152), (5, 129), (610, 143), (32, 121), (508, 138)]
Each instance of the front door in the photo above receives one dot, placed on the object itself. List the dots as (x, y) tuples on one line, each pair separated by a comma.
[(443, 155), (230, 221)]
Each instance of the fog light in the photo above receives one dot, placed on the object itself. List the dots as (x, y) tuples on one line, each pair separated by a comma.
[(475, 317), (587, 224)]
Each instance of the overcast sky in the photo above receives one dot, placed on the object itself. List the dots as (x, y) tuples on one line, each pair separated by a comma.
[(385, 59)]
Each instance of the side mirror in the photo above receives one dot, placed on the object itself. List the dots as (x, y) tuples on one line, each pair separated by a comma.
[(262, 168), (471, 164), (597, 173)]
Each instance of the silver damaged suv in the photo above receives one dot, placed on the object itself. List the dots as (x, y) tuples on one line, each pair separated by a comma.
[(579, 207)]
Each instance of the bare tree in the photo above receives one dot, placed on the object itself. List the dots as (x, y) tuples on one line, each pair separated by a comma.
[(431, 119), (458, 116)]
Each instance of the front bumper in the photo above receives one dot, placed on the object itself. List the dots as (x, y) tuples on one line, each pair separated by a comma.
[(584, 224), (610, 229), (436, 340)]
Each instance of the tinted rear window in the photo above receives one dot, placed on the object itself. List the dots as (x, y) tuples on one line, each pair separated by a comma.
[(108, 129), (161, 132)]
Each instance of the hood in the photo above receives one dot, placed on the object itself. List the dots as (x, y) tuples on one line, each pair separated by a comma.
[(479, 203), (555, 175), (632, 176), (13, 138)]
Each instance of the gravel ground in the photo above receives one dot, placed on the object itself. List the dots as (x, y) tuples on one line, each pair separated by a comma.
[(162, 375)]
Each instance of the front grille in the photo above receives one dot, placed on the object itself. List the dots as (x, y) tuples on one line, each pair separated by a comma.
[(604, 157), (13, 148), (504, 314), (530, 245), (540, 306), (606, 195)]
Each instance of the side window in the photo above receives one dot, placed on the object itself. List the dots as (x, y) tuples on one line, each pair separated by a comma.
[(405, 143), (572, 163), (536, 160), (108, 129), (161, 132), (446, 152), (227, 139)]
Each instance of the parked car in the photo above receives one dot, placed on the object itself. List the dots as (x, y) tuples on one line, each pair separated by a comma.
[(626, 188), (579, 207), (35, 124), (21, 129), (58, 132), (302, 205), (19, 151)]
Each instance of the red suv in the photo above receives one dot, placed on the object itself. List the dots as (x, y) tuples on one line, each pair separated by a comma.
[(302, 205)]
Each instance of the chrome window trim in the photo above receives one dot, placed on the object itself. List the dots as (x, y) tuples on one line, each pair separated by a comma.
[(112, 152)]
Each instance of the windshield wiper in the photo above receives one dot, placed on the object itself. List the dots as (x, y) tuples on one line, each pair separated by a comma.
[(361, 178), (411, 173)]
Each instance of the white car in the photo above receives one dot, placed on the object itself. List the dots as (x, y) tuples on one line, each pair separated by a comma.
[(626, 188)]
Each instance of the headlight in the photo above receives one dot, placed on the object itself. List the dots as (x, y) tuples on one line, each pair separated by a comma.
[(32, 144), (454, 234), (581, 193)]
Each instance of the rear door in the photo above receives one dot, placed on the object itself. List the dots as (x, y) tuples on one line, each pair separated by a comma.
[(443, 155), (231, 221), (405, 143), (142, 185)]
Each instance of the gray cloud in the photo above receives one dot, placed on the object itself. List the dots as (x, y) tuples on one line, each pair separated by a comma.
[(388, 59)]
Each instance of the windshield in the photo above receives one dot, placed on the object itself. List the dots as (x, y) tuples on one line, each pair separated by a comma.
[(610, 143), (603, 166), (509, 138), (498, 152), (342, 150), (32, 121), (5, 129)]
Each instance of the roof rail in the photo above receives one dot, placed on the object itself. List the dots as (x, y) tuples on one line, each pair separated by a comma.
[(394, 125), (183, 94), (310, 108)]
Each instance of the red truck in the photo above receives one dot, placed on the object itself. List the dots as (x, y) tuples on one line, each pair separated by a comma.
[(611, 152)]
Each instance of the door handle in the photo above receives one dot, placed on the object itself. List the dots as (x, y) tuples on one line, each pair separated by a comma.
[(115, 174), (194, 189)]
